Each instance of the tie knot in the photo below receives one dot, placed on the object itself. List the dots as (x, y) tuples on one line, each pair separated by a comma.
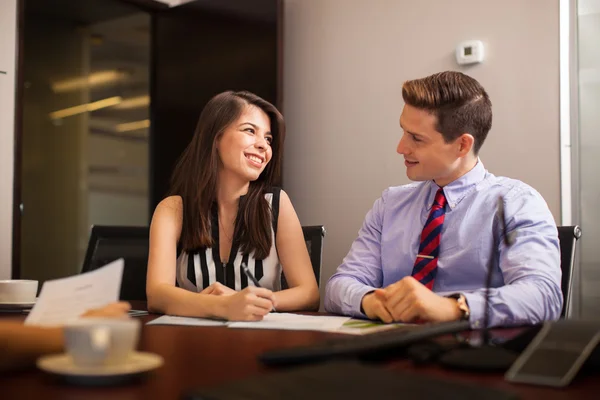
[(440, 198)]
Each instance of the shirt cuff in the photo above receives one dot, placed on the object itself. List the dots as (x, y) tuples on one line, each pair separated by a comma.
[(356, 300), (476, 304)]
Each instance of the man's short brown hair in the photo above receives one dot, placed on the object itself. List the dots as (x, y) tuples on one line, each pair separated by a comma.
[(459, 103)]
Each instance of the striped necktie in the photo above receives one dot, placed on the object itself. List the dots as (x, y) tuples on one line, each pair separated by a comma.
[(425, 267)]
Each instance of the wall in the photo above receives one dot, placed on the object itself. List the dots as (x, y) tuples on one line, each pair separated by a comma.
[(8, 34), (344, 64)]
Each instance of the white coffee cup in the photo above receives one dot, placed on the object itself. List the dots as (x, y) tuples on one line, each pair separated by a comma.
[(95, 342), (18, 291)]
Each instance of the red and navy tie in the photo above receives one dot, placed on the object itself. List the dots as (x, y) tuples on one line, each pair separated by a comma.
[(425, 267)]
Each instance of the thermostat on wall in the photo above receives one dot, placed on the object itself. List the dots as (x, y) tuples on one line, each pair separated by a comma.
[(469, 52)]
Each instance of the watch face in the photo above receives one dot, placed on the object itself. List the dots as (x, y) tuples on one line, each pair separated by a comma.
[(462, 306)]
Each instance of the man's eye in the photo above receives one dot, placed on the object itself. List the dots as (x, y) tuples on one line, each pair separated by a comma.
[(416, 139)]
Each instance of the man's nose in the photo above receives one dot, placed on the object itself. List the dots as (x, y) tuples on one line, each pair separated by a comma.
[(401, 148)]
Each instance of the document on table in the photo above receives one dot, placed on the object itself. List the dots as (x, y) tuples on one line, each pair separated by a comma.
[(186, 321), (296, 322), (285, 321), (63, 300), (318, 323), (288, 321)]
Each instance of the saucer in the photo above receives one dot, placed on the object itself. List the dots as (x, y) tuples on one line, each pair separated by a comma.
[(16, 306), (62, 365)]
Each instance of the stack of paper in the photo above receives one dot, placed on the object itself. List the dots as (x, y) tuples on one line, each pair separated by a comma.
[(186, 321), (294, 322)]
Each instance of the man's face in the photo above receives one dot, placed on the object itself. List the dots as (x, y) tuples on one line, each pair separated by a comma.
[(426, 154)]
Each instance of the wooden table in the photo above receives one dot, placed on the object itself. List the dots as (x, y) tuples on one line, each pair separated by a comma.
[(206, 356)]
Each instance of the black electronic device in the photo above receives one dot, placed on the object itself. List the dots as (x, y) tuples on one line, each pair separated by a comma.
[(374, 346), (556, 354)]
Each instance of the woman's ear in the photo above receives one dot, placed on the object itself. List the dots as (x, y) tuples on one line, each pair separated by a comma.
[(218, 142)]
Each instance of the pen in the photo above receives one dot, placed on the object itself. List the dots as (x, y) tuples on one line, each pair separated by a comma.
[(249, 275), (252, 278)]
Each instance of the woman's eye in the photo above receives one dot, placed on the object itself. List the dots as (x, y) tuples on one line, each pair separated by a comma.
[(269, 140)]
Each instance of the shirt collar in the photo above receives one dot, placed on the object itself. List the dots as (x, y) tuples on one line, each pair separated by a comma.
[(457, 190)]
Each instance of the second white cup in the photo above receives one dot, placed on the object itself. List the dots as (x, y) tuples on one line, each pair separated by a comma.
[(18, 291)]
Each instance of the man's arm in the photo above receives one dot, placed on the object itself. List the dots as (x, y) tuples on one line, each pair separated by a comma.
[(360, 272), (530, 267), (21, 345)]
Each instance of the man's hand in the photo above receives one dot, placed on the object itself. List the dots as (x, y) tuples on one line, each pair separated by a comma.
[(374, 308), (408, 300), (112, 310), (218, 289)]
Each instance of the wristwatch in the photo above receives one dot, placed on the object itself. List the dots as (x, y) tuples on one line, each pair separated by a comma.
[(463, 306)]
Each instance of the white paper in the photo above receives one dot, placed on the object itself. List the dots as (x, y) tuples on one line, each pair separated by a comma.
[(295, 322), (289, 321), (186, 321), (63, 300)]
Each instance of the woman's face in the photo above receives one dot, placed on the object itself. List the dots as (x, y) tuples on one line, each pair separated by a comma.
[(244, 148)]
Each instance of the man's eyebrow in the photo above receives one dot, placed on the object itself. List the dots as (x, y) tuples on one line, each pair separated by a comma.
[(409, 132)]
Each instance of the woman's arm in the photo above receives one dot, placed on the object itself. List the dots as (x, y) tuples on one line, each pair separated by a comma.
[(21, 345), (303, 293), (164, 297)]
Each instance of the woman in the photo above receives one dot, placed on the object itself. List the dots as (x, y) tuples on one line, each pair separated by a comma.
[(224, 212)]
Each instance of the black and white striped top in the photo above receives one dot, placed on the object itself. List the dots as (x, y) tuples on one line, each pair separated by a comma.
[(199, 269)]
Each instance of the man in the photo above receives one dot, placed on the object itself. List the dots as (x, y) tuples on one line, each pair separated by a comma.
[(424, 250), (21, 345)]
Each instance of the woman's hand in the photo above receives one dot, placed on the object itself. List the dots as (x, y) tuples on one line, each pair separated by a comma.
[(251, 304), (112, 310), (218, 289)]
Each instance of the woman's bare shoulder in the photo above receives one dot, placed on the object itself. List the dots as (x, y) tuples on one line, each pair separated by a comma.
[(170, 207), (174, 203)]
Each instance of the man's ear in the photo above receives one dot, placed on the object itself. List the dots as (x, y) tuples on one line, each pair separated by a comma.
[(465, 144)]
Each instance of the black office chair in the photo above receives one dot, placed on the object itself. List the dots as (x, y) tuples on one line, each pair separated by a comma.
[(313, 235), (567, 236), (109, 243)]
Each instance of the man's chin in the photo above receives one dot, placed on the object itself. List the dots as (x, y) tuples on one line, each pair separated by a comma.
[(415, 178)]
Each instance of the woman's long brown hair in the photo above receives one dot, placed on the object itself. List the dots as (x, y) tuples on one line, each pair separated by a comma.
[(195, 177)]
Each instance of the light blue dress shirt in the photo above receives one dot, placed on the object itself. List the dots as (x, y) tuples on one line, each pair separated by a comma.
[(526, 276)]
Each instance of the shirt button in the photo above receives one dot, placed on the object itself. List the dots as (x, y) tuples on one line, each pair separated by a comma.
[(477, 324), (453, 205)]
